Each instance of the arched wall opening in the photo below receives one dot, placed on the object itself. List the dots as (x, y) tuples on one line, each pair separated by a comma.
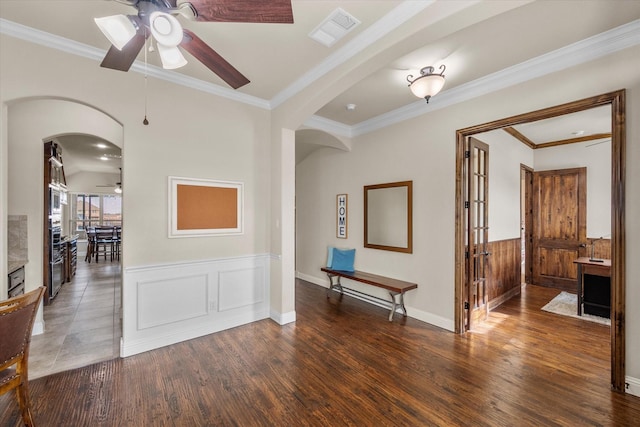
[(29, 122)]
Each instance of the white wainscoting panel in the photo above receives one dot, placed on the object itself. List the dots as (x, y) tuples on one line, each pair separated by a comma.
[(240, 288), (170, 303), (172, 300)]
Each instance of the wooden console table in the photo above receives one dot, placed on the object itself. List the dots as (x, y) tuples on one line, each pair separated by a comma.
[(594, 286), (396, 287)]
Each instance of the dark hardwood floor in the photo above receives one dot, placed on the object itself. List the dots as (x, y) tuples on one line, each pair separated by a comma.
[(343, 363)]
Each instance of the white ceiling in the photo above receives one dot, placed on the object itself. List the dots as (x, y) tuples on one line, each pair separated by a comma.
[(89, 153), (474, 39)]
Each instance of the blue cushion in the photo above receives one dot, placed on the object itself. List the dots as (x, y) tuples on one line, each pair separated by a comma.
[(343, 259), (330, 256)]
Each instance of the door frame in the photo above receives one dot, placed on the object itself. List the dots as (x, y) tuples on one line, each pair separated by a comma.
[(526, 218), (617, 102)]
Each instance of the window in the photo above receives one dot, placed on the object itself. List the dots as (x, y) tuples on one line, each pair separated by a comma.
[(90, 210), (112, 210)]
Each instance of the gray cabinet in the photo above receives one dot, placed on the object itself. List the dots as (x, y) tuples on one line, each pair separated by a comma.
[(16, 282)]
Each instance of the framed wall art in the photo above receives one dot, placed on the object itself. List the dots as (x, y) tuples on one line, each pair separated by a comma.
[(203, 207), (341, 216)]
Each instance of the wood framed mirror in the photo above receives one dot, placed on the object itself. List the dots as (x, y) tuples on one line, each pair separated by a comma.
[(388, 216)]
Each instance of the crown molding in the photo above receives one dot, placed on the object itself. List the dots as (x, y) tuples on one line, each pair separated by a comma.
[(73, 47), (43, 38), (586, 50)]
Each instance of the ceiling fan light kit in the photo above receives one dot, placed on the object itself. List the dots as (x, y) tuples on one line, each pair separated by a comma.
[(428, 84), (165, 29), (118, 29), (128, 34), (171, 57)]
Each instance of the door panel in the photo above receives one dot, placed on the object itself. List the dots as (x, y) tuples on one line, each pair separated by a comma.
[(559, 229), (558, 263), (477, 232)]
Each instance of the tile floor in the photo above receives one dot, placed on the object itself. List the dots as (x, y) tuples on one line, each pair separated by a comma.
[(83, 322)]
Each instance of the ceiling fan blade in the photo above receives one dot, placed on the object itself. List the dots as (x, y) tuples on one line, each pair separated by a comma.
[(122, 59), (265, 11), (212, 60)]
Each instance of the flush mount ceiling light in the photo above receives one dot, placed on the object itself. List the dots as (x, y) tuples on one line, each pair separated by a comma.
[(428, 84)]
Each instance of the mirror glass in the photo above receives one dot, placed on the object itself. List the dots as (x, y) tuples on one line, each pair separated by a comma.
[(388, 213)]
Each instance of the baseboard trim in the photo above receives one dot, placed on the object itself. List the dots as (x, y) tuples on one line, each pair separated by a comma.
[(283, 318), (504, 297), (412, 312), (632, 385)]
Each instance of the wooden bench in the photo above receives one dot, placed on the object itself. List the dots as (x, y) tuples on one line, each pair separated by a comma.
[(396, 288)]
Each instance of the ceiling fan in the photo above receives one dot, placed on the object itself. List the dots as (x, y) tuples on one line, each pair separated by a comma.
[(117, 187), (128, 33)]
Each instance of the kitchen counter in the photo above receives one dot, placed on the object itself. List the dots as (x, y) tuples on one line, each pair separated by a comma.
[(14, 265), (66, 239)]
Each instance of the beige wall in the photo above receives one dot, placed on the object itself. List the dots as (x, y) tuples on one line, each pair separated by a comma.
[(191, 134), (422, 149), (506, 154), (199, 135)]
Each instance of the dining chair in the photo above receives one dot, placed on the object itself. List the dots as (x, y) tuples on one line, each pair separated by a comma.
[(117, 242), (91, 244), (104, 243), (17, 315)]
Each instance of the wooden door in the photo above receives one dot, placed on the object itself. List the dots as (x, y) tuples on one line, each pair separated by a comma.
[(477, 304), (559, 229)]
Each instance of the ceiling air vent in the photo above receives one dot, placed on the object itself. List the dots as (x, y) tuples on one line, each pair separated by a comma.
[(334, 27)]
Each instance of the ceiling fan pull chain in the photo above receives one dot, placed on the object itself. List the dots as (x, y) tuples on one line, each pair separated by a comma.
[(145, 121)]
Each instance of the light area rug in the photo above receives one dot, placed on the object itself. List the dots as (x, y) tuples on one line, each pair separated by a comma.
[(565, 304)]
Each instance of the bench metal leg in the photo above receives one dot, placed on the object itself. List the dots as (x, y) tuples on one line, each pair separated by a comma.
[(337, 285), (399, 303)]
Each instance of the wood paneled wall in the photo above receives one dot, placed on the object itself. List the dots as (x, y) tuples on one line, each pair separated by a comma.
[(504, 272), (602, 247)]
